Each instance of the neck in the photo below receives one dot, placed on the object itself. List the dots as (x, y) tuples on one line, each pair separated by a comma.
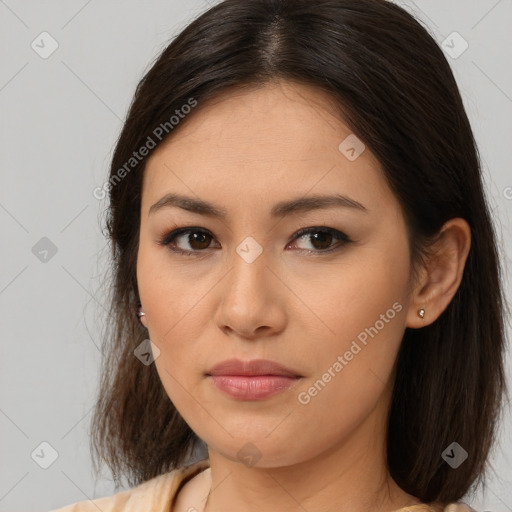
[(350, 476)]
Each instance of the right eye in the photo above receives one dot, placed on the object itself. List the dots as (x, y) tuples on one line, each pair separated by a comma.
[(197, 239)]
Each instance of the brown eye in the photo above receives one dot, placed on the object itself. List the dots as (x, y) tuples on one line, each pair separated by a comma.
[(193, 241), (188, 240), (199, 240), (321, 239)]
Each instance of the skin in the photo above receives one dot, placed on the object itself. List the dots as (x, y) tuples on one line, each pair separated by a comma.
[(247, 151)]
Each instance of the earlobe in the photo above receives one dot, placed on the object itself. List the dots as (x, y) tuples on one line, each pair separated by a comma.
[(441, 275), (141, 315)]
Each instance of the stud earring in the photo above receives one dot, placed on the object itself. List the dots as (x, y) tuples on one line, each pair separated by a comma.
[(139, 312), (421, 313)]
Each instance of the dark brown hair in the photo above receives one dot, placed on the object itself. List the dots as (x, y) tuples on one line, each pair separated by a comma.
[(396, 91)]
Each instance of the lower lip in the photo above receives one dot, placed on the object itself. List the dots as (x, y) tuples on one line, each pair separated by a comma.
[(252, 387)]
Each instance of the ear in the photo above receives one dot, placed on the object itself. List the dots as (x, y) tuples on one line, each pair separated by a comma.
[(440, 277), (141, 315)]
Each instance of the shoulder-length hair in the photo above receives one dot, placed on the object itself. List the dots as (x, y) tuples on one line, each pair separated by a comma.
[(394, 88)]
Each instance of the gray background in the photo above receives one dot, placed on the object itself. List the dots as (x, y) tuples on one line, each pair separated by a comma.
[(60, 118)]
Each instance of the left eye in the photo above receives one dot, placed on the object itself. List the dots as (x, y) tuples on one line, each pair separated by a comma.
[(321, 239)]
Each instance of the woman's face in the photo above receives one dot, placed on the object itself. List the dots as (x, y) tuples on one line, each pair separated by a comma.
[(329, 305)]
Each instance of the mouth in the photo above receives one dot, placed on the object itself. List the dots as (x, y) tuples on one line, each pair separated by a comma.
[(252, 380)]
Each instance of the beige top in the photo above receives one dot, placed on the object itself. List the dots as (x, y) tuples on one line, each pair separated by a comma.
[(159, 495)]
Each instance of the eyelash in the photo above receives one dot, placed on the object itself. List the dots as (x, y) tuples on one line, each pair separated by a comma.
[(170, 237)]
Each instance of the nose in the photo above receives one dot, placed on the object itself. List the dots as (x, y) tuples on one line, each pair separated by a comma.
[(253, 299)]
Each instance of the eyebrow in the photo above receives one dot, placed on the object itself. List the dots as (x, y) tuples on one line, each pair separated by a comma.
[(282, 209)]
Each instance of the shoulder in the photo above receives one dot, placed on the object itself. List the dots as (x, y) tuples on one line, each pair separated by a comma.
[(452, 507), (155, 494), (458, 507), (144, 494)]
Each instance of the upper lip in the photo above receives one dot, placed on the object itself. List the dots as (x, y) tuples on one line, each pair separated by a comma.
[(252, 367)]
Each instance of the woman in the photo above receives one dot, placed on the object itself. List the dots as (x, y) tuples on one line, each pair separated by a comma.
[(298, 219)]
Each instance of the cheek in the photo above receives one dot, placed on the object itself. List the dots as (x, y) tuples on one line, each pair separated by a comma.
[(363, 297), (353, 369), (165, 303), (171, 295), (178, 301), (363, 306)]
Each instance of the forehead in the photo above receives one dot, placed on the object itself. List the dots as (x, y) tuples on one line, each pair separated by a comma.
[(267, 140), (269, 117)]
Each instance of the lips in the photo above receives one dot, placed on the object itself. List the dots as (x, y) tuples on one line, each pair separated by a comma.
[(252, 380), (251, 368)]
